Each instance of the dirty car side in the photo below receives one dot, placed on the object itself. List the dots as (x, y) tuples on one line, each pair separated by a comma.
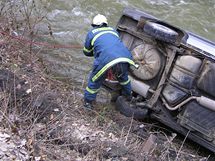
[(175, 78)]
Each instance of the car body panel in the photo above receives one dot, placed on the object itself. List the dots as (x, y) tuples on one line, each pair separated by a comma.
[(181, 93), (203, 45)]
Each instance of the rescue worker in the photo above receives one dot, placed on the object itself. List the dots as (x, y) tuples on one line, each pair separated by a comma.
[(104, 44)]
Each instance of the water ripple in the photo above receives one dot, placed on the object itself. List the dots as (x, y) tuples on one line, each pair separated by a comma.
[(71, 20)]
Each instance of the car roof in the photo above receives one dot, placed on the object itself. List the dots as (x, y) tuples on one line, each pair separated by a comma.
[(202, 45)]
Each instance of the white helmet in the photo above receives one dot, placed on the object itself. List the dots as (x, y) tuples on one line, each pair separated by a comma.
[(99, 20)]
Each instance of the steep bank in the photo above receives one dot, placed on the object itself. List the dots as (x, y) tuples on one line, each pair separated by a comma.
[(42, 118)]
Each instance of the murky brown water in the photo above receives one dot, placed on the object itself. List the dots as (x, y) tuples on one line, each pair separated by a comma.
[(70, 21)]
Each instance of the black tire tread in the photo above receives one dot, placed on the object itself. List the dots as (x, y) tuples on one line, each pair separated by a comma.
[(124, 108), (155, 30)]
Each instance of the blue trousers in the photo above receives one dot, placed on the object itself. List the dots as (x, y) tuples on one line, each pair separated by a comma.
[(120, 71)]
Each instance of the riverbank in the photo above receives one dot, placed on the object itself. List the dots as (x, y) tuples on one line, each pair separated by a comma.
[(42, 118)]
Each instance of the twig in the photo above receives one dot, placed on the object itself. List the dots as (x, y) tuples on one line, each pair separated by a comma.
[(179, 151), (129, 130), (8, 120)]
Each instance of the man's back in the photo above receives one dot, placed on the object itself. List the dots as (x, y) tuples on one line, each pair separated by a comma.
[(107, 45)]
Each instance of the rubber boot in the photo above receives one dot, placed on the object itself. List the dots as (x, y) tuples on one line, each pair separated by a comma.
[(88, 105)]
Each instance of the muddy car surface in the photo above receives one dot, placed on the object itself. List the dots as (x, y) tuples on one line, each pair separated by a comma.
[(174, 83)]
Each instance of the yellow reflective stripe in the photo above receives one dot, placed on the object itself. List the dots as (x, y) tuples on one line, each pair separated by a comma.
[(102, 33), (101, 29), (110, 64), (92, 91), (88, 51), (124, 83)]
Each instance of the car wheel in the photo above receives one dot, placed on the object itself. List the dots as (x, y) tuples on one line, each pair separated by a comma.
[(160, 32), (130, 110)]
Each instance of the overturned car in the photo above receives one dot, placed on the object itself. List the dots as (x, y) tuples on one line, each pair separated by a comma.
[(174, 83)]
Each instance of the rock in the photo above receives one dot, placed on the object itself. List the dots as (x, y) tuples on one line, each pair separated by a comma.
[(46, 107), (149, 144), (114, 150), (13, 91), (10, 83)]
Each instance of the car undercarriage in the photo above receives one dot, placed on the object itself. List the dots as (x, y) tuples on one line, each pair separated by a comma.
[(174, 83)]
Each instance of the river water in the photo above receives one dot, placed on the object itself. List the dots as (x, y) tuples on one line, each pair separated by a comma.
[(71, 19)]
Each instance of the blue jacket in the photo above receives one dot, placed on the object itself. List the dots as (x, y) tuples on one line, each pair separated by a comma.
[(105, 45)]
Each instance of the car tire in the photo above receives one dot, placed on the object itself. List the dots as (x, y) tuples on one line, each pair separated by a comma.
[(160, 32), (149, 60), (129, 110)]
